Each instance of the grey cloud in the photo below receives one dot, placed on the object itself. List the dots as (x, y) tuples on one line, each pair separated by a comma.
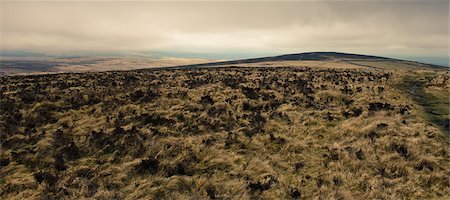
[(419, 28)]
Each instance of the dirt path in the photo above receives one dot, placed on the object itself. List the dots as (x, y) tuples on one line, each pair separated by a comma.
[(431, 105)]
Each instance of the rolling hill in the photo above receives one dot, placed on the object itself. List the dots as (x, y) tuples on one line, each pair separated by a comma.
[(335, 57), (300, 126)]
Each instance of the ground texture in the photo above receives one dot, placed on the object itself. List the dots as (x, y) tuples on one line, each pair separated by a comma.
[(224, 133)]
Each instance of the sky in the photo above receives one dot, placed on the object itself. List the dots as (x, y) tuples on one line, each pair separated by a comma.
[(228, 29)]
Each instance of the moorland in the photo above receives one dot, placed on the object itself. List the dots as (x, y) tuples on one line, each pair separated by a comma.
[(324, 128)]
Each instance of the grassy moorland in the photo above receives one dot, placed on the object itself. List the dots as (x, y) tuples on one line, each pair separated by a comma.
[(431, 92), (225, 133)]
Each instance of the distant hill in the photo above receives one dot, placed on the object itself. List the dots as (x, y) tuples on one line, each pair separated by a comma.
[(315, 56), (37, 65)]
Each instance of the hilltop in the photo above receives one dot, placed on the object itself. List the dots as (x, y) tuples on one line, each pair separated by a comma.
[(323, 57), (300, 126), (76, 64)]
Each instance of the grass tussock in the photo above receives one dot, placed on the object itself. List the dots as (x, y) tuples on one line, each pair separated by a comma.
[(222, 133)]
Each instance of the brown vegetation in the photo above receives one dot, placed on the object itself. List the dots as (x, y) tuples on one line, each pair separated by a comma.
[(219, 133)]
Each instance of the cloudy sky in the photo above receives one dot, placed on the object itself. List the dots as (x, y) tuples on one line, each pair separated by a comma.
[(403, 29)]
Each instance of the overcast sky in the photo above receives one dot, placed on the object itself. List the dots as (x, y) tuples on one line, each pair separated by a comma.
[(399, 29)]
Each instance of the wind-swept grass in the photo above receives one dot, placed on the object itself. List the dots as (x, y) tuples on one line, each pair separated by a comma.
[(219, 133)]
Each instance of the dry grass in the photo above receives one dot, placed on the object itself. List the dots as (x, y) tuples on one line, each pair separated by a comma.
[(219, 133)]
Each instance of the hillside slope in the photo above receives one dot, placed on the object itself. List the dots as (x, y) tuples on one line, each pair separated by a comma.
[(323, 57), (329, 131)]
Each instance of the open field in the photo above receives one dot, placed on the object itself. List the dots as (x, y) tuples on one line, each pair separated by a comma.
[(45, 65), (246, 132), (229, 100)]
